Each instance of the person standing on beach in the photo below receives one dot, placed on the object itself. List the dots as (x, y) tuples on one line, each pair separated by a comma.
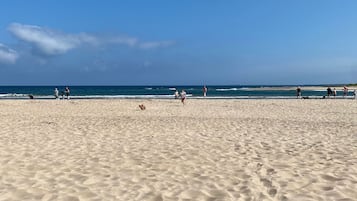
[(354, 94), (298, 92), (183, 96), (334, 93), (56, 93), (204, 91), (329, 92), (176, 94), (345, 91), (67, 92)]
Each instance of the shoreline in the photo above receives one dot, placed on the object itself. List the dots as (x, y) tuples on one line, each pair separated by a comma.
[(170, 97), (223, 92)]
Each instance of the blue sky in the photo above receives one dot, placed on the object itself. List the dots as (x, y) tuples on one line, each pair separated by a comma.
[(185, 42)]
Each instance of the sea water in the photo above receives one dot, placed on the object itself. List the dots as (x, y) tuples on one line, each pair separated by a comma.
[(159, 92)]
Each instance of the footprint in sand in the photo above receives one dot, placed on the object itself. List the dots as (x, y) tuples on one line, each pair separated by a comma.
[(270, 171), (326, 188), (266, 182), (272, 191), (330, 178)]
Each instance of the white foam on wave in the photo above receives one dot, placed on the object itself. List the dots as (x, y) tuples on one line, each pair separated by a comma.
[(26, 96), (317, 90), (229, 89), (123, 97), (13, 95)]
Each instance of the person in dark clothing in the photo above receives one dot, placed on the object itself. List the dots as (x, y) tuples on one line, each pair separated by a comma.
[(298, 92), (67, 92), (329, 92)]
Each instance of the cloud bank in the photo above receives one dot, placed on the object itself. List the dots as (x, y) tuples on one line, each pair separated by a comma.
[(7, 55), (50, 42)]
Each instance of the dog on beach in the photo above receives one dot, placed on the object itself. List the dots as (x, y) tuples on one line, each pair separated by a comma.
[(142, 107)]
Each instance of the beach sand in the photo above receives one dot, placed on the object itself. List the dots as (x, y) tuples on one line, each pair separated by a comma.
[(206, 150)]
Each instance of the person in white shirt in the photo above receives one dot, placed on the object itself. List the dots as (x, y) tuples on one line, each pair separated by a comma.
[(56, 93), (183, 96)]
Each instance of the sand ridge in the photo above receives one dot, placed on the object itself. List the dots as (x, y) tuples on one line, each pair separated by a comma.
[(205, 150)]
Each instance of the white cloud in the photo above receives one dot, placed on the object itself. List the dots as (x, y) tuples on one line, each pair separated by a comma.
[(155, 44), (50, 42), (7, 55)]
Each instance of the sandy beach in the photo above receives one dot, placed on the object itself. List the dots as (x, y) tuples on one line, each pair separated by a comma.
[(206, 150)]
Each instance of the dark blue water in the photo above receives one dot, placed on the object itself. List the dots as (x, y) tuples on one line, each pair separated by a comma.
[(155, 91)]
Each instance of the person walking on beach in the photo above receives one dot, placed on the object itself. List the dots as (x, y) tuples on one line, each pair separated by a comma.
[(334, 93), (204, 91), (345, 91), (298, 92), (67, 92), (56, 93), (329, 92), (176, 94), (183, 96)]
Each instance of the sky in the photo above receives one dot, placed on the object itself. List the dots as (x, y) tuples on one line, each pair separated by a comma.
[(183, 42)]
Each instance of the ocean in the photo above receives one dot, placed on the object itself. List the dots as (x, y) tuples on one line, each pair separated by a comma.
[(158, 92)]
